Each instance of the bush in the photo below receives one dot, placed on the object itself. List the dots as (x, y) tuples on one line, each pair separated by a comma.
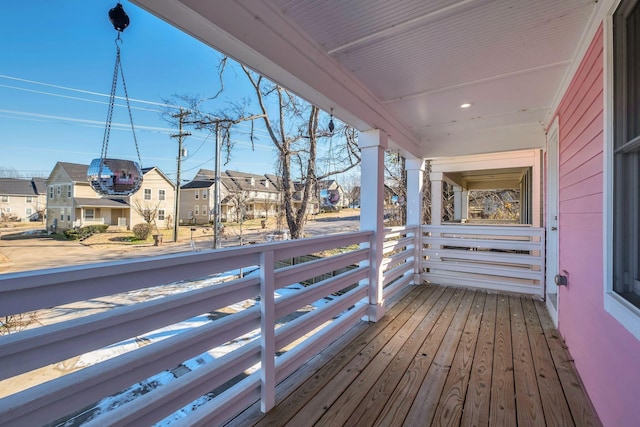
[(82, 232), (72, 234), (141, 231)]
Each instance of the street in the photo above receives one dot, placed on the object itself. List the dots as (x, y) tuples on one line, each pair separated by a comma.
[(43, 252)]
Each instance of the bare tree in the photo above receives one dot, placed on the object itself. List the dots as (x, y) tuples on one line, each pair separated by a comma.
[(9, 172), (295, 132), (148, 212), (295, 128)]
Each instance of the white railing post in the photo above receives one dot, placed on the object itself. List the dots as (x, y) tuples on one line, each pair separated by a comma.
[(267, 332), (415, 172), (372, 145)]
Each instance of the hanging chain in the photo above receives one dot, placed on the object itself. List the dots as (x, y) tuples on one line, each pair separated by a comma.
[(126, 97), (112, 97)]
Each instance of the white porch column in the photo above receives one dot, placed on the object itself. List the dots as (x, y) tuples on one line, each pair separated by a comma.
[(372, 145), (436, 198), (415, 172), (457, 203), (464, 215)]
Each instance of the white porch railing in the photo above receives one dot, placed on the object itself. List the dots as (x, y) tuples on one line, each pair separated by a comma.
[(502, 258), (399, 265), (271, 330)]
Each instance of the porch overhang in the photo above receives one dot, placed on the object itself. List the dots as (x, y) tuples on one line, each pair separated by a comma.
[(406, 68)]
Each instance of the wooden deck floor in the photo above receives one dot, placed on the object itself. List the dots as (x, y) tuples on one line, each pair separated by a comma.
[(441, 356)]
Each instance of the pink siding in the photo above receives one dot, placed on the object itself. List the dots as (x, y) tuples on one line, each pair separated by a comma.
[(606, 355)]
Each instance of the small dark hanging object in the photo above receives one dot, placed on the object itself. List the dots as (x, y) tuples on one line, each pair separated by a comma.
[(332, 126), (119, 18)]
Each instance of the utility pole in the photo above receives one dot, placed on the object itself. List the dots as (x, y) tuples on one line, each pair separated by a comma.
[(180, 136), (216, 193)]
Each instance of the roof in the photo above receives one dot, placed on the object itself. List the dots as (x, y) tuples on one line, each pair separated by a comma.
[(40, 185), (275, 180), (244, 181), (75, 171), (88, 202), (328, 184), (17, 187), (197, 184), (162, 174), (200, 182)]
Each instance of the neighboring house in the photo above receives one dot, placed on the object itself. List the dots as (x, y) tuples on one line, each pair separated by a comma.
[(71, 202), (256, 196), (22, 199), (197, 198), (247, 195), (157, 192)]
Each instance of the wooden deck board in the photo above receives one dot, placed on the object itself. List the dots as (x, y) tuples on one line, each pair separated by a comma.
[(476, 404), (441, 356), (450, 407), (556, 409), (400, 402), (502, 406), (426, 401), (528, 403)]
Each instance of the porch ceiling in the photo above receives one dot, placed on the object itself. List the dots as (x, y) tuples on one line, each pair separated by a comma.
[(406, 66)]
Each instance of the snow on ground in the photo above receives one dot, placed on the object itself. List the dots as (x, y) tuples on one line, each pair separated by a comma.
[(165, 377)]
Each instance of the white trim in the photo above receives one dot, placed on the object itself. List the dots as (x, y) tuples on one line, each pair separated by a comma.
[(621, 310), (553, 184)]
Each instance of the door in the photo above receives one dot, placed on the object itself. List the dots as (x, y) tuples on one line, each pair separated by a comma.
[(551, 223)]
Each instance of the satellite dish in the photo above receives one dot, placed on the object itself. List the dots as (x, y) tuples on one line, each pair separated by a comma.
[(114, 177)]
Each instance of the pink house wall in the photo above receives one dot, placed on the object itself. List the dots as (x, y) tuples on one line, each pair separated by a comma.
[(606, 354)]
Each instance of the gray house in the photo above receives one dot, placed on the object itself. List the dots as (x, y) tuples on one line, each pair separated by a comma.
[(22, 199)]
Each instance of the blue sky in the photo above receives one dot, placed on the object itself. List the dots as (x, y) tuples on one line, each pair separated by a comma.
[(55, 77)]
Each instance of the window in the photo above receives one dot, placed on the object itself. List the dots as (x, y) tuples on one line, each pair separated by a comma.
[(147, 194), (204, 194), (68, 190), (28, 212), (626, 153), (89, 213), (161, 213), (29, 199), (196, 194), (161, 195), (51, 192), (196, 212), (204, 209), (4, 199), (622, 169), (58, 190)]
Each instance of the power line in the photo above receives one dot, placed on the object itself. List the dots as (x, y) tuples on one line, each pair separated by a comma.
[(160, 104)]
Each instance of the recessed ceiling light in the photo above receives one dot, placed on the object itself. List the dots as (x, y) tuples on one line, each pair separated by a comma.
[(465, 105)]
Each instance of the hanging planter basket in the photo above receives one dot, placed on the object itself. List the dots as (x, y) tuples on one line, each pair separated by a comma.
[(114, 177)]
